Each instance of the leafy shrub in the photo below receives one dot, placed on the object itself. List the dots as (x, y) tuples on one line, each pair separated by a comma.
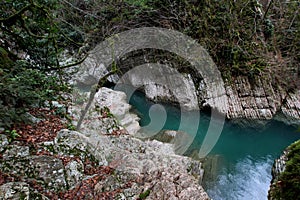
[(144, 195), (288, 183), (22, 88), (12, 135), (32, 40)]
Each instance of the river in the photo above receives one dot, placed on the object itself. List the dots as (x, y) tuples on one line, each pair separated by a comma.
[(242, 157)]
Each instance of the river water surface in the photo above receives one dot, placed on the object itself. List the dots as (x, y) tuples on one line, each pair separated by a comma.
[(242, 157)]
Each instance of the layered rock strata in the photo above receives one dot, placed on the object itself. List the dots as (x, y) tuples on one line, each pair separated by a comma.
[(243, 98)]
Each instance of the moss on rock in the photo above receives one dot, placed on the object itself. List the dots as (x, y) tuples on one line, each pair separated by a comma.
[(286, 185)]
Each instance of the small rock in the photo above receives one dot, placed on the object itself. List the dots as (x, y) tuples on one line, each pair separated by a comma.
[(15, 151), (166, 136), (3, 142), (32, 118), (15, 191), (74, 172), (50, 170)]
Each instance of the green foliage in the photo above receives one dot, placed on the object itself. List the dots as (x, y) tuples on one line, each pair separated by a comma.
[(289, 180), (231, 33), (71, 127), (241, 36), (106, 111), (144, 195), (140, 3), (30, 46), (22, 88), (12, 135), (30, 30), (285, 17)]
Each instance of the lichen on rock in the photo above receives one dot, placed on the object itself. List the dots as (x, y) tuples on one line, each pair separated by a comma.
[(116, 165)]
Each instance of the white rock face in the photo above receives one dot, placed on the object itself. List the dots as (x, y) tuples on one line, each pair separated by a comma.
[(216, 98), (89, 72), (97, 120), (14, 190), (117, 103), (162, 83), (243, 98), (74, 172)]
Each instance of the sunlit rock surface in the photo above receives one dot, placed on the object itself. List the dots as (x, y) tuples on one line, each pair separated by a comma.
[(164, 84), (119, 107), (153, 164), (150, 169)]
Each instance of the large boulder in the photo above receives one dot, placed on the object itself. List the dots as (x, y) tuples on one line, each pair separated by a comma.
[(108, 113), (115, 165), (148, 166)]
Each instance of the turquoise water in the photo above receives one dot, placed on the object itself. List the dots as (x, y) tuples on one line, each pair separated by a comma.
[(245, 155)]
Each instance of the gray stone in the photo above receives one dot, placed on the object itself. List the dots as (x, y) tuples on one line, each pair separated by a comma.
[(32, 118), (117, 180), (14, 191), (135, 160), (3, 142), (76, 144), (261, 101), (74, 172), (244, 97), (70, 143), (15, 152), (211, 165), (278, 168), (146, 164), (117, 103), (108, 113), (50, 170), (131, 192), (138, 165), (163, 83), (89, 70), (166, 136)]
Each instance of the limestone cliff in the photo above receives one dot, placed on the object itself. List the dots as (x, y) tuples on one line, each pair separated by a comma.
[(259, 98)]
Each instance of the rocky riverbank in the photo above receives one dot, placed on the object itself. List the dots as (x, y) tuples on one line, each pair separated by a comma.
[(285, 174), (248, 101), (278, 167), (102, 161)]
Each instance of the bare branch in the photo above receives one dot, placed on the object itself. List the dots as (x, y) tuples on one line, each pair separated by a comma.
[(18, 14)]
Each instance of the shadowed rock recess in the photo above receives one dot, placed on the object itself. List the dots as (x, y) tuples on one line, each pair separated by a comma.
[(135, 169)]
